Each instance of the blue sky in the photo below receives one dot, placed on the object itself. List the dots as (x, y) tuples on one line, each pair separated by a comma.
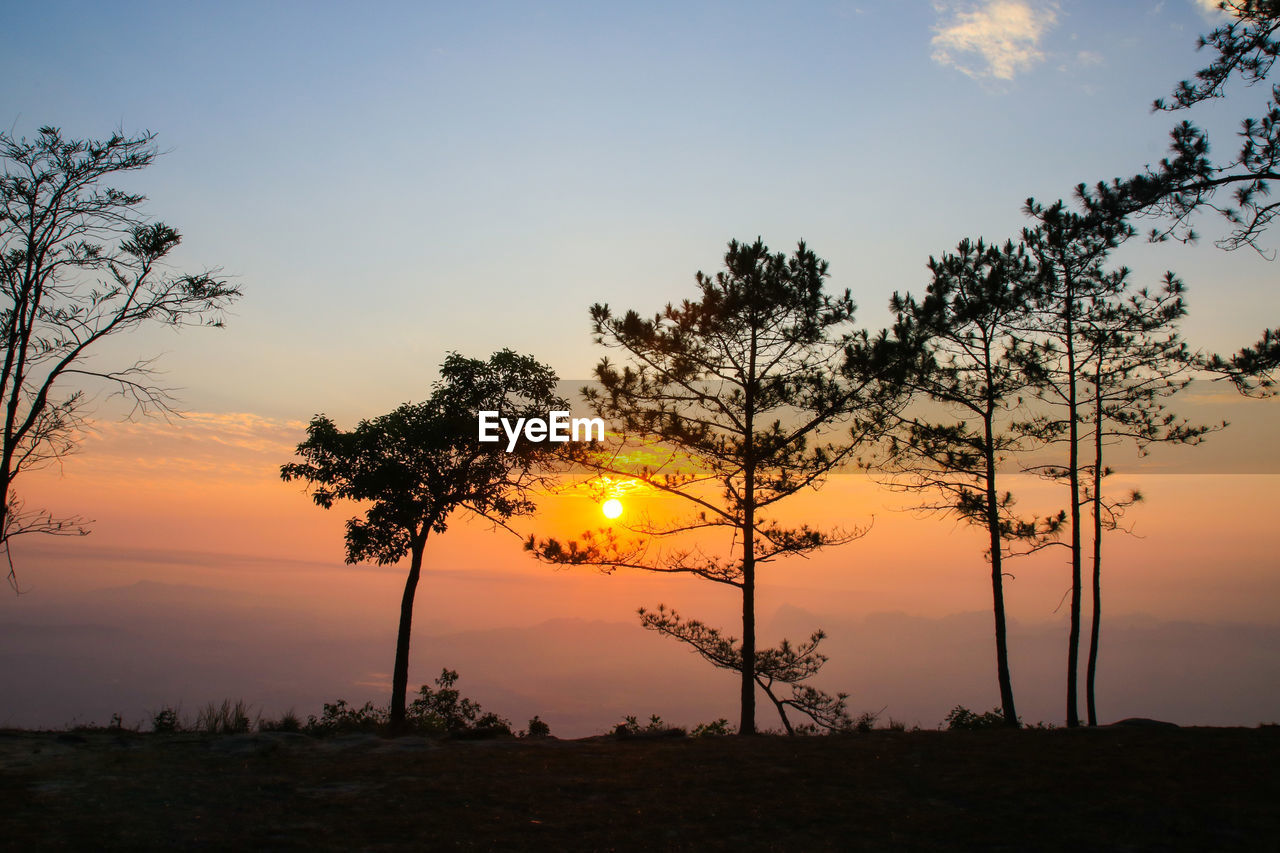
[(392, 181)]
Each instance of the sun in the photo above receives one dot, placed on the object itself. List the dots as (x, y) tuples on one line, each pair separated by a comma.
[(611, 508)]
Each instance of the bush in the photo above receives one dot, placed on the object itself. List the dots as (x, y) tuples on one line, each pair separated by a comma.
[(537, 728), (436, 711), (716, 728), (444, 710), (962, 719), (339, 717), (165, 721), (630, 727)]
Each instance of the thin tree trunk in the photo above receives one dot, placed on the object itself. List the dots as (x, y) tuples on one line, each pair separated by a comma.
[(1073, 478), (400, 675), (747, 726), (1095, 628), (997, 584)]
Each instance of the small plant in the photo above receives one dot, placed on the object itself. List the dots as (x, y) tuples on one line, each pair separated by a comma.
[(225, 718), (165, 721), (962, 719), (437, 710), (444, 710), (117, 722), (716, 728), (630, 726), (538, 728), (897, 725), (339, 717), (288, 722), (866, 721)]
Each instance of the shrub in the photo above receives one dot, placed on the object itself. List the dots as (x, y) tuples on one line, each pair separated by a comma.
[(715, 728), (962, 719), (537, 728), (340, 717), (444, 710), (165, 721), (630, 727), (437, 710)]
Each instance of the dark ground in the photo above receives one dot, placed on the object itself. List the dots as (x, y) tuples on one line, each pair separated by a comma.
[(1118, 788)]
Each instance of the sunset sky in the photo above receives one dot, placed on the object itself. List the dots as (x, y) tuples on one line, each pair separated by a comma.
[(391, 182)]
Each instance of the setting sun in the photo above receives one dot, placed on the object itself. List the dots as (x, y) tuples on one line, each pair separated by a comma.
[(611, 508)]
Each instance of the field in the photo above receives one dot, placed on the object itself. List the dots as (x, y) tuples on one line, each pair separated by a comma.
[(1117, 788)]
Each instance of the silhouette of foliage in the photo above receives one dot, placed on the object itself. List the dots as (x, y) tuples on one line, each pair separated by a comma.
[(79, 264), (414, 467), (733, 402), (1189, 180), (785, 665), (962, 719), (966, 327), (1104, 357)]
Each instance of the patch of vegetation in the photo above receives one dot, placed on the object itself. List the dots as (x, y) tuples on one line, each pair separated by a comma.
[(630, 727), (962, 719), (438, 710), (716, 728), (225, 718), (537, 728)]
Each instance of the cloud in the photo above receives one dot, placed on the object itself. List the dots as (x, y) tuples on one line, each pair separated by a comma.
[(996, 39)]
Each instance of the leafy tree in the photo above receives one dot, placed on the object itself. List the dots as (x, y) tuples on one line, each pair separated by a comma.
[(967, 325), (733, 403), (79, 263), (1190, 180), (417, 465)]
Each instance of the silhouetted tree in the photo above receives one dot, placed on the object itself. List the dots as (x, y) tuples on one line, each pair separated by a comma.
[(78, 263), (967, 324), (1134, 359), (1189, 180), (417, 465), (733, 402), (1105, 359), (1069, 251), (785, 665)]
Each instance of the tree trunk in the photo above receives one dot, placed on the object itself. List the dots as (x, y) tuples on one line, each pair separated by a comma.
[(1096, 626), (1073, 479), (997, 584), (400, 675), (747, 726)]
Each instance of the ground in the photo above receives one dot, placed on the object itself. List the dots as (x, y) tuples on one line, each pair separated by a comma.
[(1117, 788)]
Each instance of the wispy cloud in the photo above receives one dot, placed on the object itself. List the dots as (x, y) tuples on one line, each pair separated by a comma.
[(995, 39)]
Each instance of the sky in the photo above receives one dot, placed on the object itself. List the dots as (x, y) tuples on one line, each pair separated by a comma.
[(391, 182)]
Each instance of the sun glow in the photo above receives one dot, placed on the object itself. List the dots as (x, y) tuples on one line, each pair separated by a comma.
[(611, 508)]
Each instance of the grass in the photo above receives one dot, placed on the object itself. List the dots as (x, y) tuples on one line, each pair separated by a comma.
[(1107, 789)]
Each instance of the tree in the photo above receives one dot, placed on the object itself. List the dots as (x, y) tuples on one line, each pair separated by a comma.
[(1135, 358), (1069, 251), (1189, 180), (966, 325), (420, 463), (785, 665), (1104, 359), (79, 264), (733, 402)]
